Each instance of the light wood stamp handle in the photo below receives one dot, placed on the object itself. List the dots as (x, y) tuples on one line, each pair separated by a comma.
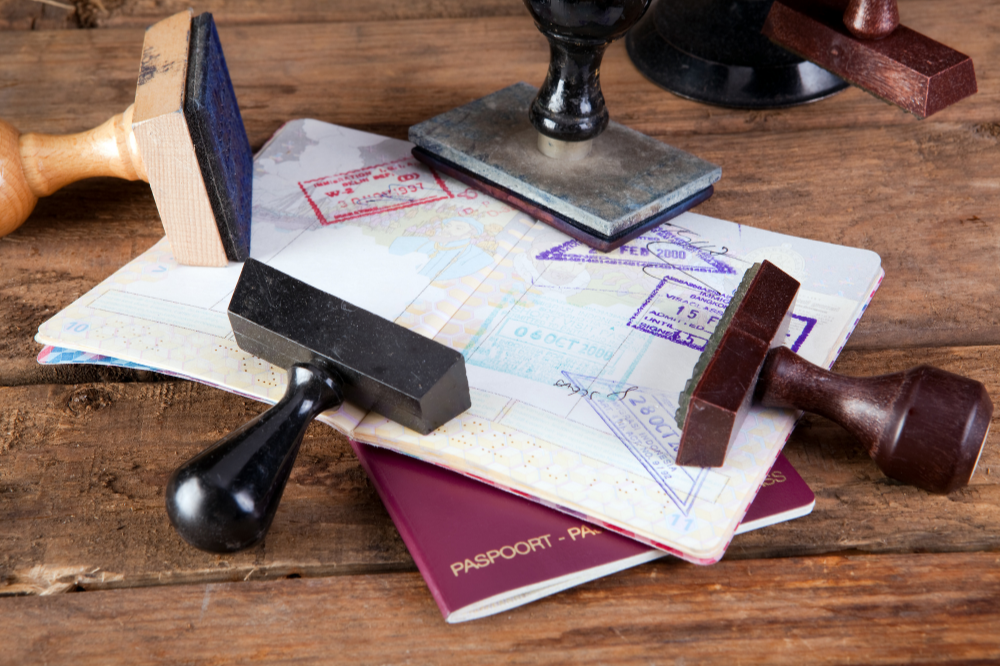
[(36, 165)]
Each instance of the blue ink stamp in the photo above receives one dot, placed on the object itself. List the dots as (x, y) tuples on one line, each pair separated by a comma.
[(643, 419), (538, 337), (799, 330), (682, 308), (690, 320)]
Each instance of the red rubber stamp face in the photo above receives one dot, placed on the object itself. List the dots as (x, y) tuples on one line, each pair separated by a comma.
[(370, 190)]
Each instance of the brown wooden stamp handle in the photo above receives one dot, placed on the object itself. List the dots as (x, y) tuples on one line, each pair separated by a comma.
[(871, 19), (873, 52), (924, 427)]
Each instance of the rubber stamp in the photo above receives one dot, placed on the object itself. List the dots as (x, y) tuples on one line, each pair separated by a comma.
[(712, 51), (183, 135), (924, 427), (863, 42), (554, 153), (225, 498)]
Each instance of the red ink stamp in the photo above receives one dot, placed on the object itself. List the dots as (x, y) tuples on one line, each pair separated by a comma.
[(402, 183)]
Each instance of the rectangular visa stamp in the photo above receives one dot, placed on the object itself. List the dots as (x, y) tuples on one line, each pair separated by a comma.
[(643, 420), (662, 248), (685, 316), (695, 281), (402, 183), (689, 321), (539, 338), (688, 317)]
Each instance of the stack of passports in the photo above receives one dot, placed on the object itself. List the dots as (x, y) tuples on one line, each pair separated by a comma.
[(483, 551)]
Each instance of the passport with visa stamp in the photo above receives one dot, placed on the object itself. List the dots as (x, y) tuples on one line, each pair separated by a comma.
[(575, 358)]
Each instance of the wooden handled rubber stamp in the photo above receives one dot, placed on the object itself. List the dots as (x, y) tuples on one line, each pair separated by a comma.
[(924, 427), (712, 51), (183, 135), (554, 153), (225, 498), (863, 42)]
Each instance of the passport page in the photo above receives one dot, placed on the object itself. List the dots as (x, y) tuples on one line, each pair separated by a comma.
[(576, 360)]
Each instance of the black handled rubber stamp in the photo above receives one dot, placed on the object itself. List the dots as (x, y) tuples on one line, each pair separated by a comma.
[(183, 135), (225, 498), (554, 153), (924, 427)]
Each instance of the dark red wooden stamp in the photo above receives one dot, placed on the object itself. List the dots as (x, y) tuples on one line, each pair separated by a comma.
[(924, 427), (717, 398), (862, 42)]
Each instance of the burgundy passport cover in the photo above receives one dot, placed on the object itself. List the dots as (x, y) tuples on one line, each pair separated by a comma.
[(482, 550)]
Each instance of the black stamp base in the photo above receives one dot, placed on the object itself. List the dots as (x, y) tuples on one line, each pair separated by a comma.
[(706, 53)]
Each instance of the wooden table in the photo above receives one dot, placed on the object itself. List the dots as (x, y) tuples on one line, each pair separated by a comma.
[(879, 573)]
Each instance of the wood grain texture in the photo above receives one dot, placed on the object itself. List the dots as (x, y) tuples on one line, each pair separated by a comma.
[(851, 609), (715, 401), (90, 512), (922, 426), (51, 162), (16, 198), (871, 19), (74, 239), (853, 498), (410, 74), (17, 15), (167, 148), (27, 15), (923, 198), (80, 511)]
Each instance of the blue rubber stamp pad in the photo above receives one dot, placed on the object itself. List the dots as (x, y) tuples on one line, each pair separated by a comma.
[(627, 184), (219, 138)]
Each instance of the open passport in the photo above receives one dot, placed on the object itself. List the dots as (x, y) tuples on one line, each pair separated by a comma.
[(575, 358)]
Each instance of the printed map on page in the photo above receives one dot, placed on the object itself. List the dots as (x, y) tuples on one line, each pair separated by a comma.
[(575, 357)]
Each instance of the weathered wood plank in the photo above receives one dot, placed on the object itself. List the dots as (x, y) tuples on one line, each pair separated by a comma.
[(852, 609), (924, 198), (390, 74), (83, 470), (82, 467), (30, 15), (74, 239), (83, 474), (35, 15)]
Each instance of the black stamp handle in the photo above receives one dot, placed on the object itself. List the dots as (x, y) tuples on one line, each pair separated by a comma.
[(224, 499), (570, 105)]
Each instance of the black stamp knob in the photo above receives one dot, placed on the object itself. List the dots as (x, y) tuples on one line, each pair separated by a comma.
[(570, 105), (224, 499)]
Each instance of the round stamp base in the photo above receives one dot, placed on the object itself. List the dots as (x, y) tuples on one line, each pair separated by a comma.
[(774, 83)]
